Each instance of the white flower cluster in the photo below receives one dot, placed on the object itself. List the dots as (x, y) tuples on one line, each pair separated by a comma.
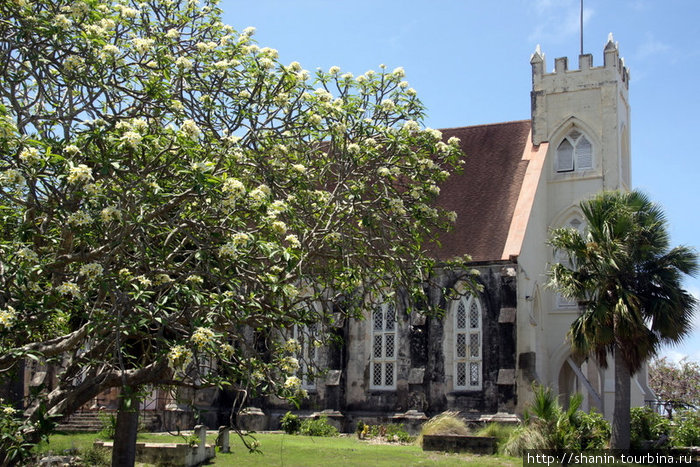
[(144, 281), (69, 288), (131, 138), (184, 63), (195, 279), (127, 12), (396, 206), (7, 317), (202, 337), (383, 171), (293, 241), (179, 356), (91, 271), (279, 227), (411, 126), (79, 218), (292, 346), (110, 213), (202, 166), (73, 63), (435, 134), (204, 47), (71, 150), (60, 21), (161, 279), (79, 173), (30, 156), (323, 95), (289, 364), (388, 105), (258, 196), (190, 129), (28, 255), (142, 45), (292, 382), (12, 177)]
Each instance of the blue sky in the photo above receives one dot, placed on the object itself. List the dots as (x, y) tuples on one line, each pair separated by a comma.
[(469, 62)]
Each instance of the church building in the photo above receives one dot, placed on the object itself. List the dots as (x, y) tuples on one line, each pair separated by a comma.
[(520, 180)]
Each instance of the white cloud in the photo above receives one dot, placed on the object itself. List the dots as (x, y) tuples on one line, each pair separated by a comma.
[(558, 20), (650, 47)]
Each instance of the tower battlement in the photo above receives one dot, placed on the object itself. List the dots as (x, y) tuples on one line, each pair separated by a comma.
[(611, 61)]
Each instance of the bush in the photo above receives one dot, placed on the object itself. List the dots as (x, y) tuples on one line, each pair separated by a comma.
[(97, 457), (447, 423), (548, 426), (317, 427), (290, 423), (109, 425), (497, 430), (396, 433), (687, 432), (592, 430), (649, 429)]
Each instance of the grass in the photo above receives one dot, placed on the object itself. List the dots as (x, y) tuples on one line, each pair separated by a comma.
[(295, 450)]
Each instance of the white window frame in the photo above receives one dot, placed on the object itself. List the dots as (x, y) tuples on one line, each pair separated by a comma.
[(581, 159), (308, 355), (467, 347), (383, 347)]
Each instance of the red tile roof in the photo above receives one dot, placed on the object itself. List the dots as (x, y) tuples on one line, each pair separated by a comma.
[(484, 195)]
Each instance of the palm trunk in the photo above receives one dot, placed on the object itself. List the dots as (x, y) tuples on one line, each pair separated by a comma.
[(621, 413), (124, 450)]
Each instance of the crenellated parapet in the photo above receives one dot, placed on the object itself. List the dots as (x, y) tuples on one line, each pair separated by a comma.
[(563, 89), (611, 60)]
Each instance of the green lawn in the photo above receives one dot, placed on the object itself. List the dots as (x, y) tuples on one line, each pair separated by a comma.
[(293, 450)]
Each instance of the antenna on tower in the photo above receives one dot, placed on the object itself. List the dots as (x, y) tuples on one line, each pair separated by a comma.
[(581, 17)]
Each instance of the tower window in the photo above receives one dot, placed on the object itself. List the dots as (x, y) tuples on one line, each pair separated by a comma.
[(574, 153)]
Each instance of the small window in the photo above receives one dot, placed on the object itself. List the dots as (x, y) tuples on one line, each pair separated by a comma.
[(384, 347), (467, 344), (575, 152)]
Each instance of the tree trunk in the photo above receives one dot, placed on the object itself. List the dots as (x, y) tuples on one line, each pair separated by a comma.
[(621, 414), (124, 450)]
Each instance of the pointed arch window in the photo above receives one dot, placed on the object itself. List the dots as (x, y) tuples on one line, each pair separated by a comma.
[(384, 343), (575, 152), (308, 338), (562, 258), (467, 344)]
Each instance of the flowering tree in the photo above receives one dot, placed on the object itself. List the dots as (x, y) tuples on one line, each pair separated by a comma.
[(676, 383), (167, 186)]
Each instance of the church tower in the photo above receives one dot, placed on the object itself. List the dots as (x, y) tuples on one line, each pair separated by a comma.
[(580, 124), (589, 102)]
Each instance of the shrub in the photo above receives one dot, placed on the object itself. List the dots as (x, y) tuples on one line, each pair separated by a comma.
[(547, 425), (687, 432), (396, 433), (317, 427), (648, 429), (447, 423), (290, 423), (592, 430), (109, 425), (497, 430), (97, 457)]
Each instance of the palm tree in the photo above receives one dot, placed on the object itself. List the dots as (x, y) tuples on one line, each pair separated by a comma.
[(627, 282)]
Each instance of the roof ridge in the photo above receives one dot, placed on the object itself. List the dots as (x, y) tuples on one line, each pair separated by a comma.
[(486, 124)]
